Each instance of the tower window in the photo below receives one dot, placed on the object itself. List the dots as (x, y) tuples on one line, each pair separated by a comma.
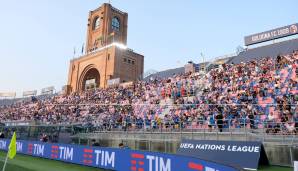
[(96, 23), (115, 24)]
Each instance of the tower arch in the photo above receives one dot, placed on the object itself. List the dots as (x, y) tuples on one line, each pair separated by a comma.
[(89, 78)]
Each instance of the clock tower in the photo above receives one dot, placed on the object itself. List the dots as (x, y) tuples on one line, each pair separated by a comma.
[(106, 25), (107, 61)]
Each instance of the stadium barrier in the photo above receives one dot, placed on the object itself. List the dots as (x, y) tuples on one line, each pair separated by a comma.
[(244, 125), (113, 158), (271, 132)]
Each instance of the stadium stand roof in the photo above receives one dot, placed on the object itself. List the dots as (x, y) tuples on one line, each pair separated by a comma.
[(166, 73), (272, 50)]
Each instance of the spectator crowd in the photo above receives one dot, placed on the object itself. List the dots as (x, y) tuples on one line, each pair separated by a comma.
[(257, 94)]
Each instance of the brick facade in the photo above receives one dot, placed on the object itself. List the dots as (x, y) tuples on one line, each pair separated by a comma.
[(106, 54)]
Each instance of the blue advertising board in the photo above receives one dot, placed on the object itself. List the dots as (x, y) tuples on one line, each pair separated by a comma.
[(113, 158), (243, 154)]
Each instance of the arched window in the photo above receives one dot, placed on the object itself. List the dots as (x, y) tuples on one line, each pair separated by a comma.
[(115, 24), (96, 23)]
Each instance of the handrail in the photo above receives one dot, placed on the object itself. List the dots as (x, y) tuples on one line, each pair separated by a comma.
[(171, 124)]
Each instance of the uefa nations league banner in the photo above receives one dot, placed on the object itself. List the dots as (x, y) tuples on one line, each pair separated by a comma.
[(242, 154), (114, 159)]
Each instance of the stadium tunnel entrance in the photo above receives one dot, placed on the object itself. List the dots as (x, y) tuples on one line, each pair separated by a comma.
[(90, 79)]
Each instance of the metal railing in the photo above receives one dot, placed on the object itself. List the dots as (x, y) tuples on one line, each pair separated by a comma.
[(221, 125), (277, 131)]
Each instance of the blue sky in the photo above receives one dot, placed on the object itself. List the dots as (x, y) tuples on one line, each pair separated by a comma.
[(37, 36)]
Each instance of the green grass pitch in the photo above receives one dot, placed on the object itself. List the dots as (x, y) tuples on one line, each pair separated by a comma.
[(27, 163)]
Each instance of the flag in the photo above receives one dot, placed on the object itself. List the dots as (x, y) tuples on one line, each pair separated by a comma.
[(12, 148), (83, 48)]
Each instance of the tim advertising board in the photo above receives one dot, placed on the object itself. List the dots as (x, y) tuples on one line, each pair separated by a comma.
[(247, 155), (115, 159), (271, 34)]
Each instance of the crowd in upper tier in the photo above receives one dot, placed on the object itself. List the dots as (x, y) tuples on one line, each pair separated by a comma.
[(257, 94)]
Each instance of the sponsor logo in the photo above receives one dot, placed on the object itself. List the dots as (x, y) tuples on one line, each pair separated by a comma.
[(36, 149), (155, 163), (105, 158), (54, 152), (60, 152), (87, 156), (30, 148), (137, 162), (66, 153), (2, 144), (199, 167), (19, 147)]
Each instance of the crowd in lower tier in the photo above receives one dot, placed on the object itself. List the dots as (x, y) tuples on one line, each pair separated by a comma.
[(257, 94)]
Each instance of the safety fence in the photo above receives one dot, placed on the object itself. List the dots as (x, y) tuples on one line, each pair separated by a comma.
[(247, 127), (242, 125)]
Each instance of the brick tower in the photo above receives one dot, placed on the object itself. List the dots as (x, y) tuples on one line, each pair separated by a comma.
[(107, 60)]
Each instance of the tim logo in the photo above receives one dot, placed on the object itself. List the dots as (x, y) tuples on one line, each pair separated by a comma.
[(60, 152), (155, 163), (35, 149), (30, 148), (137, 162), (3, 145), (19, 146), (198, 167), (87, 156), (55, 152)]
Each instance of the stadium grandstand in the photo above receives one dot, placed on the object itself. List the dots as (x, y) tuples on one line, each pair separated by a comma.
[(249, 93), (250, 96), (256, 90)]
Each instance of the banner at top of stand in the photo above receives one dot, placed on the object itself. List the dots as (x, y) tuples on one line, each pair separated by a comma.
[(271, 34)]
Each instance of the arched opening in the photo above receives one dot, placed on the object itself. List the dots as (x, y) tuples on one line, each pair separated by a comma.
[(91, 79), (116, 24), (96, 23)]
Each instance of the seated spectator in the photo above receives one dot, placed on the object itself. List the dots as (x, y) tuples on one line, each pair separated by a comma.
[(122, 146), (94, 143)]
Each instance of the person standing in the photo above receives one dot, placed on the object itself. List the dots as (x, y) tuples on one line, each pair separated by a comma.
[(219, 121), (211, 122)]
